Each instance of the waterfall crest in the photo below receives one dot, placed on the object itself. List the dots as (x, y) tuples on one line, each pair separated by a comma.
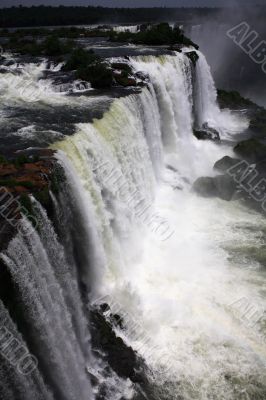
[(124, 212)]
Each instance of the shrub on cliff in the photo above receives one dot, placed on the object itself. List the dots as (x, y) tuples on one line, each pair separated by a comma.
[(54, 47), (23, 46), (99, 75), (3, 160), (21, 160), (232, 99), (80, 58), (51, 46), (157, 35)]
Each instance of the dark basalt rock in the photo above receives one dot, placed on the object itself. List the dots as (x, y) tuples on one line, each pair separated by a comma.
[(222, 186), (225, 163), (121, 358), (207, 133), (122, 67), (124, 79), (27, 174), (205, 187), (233, 100), (193, 56)]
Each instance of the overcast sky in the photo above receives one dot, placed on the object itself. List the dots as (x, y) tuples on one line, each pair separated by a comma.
[(132, 3)]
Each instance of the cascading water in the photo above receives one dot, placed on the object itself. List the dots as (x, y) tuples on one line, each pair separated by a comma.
[(124, 173), (172, 289), (54, 324), (207, 110)]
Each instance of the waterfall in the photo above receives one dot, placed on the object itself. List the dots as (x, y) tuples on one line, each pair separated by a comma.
[(128, 229), (135, 163), (52, 319), (207, 110)]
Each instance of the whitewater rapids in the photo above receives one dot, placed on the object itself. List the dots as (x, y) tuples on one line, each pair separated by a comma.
[(186, 293), (184, 272)]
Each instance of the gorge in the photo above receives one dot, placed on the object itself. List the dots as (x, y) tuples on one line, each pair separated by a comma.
[(130, 285)]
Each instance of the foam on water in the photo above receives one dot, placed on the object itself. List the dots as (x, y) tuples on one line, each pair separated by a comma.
[(182, 293)]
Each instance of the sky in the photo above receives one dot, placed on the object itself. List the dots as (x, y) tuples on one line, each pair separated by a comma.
[(133, 3)]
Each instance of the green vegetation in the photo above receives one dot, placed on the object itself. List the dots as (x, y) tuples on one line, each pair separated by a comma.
[(80, 58), (232, 99), (3, 160), (51, 46), (21, 160), (161, 34), (89, 67), (99, 75), (66, 33), (12, 183)]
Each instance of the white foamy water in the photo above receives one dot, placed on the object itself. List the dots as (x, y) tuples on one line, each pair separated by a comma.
[(183, 294), (25, 83), (206, 107), (126, 28)]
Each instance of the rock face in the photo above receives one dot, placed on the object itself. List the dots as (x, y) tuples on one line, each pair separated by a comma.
[(193, 56), (26, 176), (123, 79), (233, 100), (207, 133), (121, 358), (20, 178), (222, 186), (123, 74), (225, 163)]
